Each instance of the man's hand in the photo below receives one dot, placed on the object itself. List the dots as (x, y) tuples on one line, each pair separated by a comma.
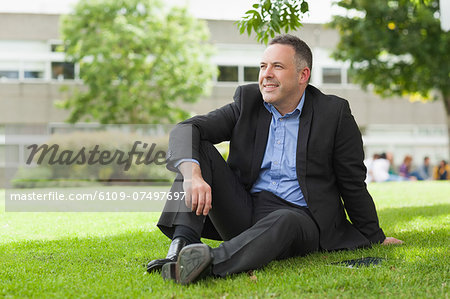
[(391, 241), (198, 192)]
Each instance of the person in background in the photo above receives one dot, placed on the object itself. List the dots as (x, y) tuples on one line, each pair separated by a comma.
[(390, 158), (423, 172), (442, 171), (369, 163), (405, 169), (380, 170)]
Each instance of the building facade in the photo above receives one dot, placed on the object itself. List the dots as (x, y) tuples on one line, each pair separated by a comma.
[(33, 70)]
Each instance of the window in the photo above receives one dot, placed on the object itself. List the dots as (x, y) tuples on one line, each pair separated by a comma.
[(63, 70), (57, 48), (9, 74), (251, 73), (331, 76), (228, 74)]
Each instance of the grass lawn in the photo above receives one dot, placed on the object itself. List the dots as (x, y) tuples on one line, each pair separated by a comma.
[(94, 255)]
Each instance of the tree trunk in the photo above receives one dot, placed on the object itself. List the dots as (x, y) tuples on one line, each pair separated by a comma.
[(446, 99)]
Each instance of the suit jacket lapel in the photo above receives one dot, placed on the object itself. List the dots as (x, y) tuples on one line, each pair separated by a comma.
[(262, 133), (302, 141)]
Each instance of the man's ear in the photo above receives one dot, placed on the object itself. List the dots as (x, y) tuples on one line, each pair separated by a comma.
[(304, 75)]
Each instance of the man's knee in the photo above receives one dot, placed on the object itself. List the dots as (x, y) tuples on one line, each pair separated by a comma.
[(296, 222), (300, 229), (285, 217)]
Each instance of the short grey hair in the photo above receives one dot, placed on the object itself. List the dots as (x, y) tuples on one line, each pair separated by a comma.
[(303, 53)]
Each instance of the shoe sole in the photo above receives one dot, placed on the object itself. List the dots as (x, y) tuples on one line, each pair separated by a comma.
[(168, 271), (193, 262)]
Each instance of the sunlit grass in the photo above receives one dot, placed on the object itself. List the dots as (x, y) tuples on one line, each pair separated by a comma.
[(103, 255)]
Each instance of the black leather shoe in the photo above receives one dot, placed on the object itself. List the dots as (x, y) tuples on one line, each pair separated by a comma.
[(194, 263), (172, 255)]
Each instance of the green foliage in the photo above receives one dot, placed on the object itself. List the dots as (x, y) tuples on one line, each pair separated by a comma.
[(396, 46), (32, 177), (269, 17), (138, 61)]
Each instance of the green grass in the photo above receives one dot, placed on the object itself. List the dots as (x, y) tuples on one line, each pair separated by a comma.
[(91, 255)]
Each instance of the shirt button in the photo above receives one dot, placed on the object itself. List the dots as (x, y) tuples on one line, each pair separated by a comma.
[(273, 183), (278, 142), (276, 162)]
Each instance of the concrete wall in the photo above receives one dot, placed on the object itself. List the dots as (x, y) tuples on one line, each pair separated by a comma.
[(28, 26), (30, 103)]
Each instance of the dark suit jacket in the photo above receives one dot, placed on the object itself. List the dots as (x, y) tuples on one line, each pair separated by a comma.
[(330, 157)]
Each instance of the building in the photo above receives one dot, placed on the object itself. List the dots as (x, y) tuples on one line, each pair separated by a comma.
[(32, 71)]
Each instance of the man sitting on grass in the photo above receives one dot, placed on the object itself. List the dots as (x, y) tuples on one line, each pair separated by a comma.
[(295, 169)]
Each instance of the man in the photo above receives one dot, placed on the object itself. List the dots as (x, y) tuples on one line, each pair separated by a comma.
[(423, 172), (295, 159)]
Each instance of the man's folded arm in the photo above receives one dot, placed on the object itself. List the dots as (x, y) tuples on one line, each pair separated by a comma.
[(215, 127)]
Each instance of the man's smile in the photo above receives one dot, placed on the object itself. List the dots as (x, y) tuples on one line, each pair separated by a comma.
[(270, 86)]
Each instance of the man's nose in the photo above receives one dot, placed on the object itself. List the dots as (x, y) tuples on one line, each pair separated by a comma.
[(267, 72)]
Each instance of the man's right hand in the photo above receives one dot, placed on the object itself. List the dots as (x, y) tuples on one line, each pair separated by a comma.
[(198, 192)]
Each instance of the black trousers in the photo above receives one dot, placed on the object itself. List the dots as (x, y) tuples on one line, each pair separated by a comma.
[(256, 228)]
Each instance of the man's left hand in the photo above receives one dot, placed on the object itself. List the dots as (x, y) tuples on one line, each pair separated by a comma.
[(391, 241)]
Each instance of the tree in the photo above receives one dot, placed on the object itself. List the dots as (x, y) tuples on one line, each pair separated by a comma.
[(396, 46), (138, 61), (271, 16)]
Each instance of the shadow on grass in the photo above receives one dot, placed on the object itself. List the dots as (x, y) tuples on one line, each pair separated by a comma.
[(114, 266)]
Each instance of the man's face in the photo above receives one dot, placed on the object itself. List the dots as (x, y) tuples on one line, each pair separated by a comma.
[(279, 81)]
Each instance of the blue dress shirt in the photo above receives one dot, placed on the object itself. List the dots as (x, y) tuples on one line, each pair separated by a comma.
[(278, 173)]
